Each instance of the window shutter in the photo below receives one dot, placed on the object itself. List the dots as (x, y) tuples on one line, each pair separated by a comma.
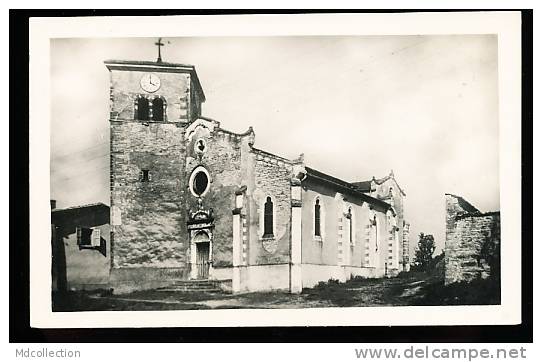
[(79, 233), (96, 238), (141, 175), (149, 175), (84, 236)]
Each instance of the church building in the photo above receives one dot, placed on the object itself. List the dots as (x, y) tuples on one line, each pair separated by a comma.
[(191, 200)]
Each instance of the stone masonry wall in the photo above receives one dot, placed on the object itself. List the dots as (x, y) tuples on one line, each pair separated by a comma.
[(222, 159), (148, 218), (174, 88), (272, 176), (466, 231), (149, 238)]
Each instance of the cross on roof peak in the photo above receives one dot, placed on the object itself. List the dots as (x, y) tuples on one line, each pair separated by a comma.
[(159, 44)]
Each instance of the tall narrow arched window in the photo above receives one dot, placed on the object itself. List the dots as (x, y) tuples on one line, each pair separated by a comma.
[(268, 218), (317, 228), (158, 109), (142, 109)]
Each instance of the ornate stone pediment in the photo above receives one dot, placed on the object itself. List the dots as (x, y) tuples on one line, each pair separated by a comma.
[(200, 123), (200, 218)]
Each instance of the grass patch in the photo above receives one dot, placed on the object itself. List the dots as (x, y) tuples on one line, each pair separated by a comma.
[(81, 301), (475, 292), (360, 291), (332, 291), (412, 288)]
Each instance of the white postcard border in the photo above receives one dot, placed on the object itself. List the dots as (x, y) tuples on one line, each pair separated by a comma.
[(506, 24)]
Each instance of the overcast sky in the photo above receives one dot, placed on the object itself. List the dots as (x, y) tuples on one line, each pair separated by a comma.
[(357, 107)]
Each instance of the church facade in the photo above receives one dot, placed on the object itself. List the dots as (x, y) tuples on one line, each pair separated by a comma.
[(191, 200)]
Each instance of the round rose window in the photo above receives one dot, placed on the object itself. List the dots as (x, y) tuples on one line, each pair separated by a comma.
[(199, 181)]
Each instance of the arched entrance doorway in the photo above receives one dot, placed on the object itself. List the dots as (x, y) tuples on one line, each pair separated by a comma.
[(200, 230)]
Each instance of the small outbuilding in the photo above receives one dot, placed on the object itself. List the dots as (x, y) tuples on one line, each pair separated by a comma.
[(80, 241)]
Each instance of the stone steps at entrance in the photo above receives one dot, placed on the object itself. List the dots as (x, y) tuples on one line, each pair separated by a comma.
[(205, 286)]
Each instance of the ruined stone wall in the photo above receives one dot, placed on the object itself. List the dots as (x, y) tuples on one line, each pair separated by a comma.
[(272, 177), (466, 231)]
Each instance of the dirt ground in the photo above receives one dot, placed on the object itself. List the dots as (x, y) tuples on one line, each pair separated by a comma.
[(409, 289)]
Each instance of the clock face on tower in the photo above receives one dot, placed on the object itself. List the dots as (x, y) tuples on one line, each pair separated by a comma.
[(150, 82)]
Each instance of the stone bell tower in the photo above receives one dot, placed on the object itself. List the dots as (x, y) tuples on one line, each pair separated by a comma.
[(150, 105)]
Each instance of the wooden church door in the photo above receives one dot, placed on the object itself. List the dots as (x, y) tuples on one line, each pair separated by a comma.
[(202, 260)]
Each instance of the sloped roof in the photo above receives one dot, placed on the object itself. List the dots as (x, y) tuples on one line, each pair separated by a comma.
[(96, 213), (481, 214), (344, 186), (363, 186), (284, 159), (465, 205), (96, 205)]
